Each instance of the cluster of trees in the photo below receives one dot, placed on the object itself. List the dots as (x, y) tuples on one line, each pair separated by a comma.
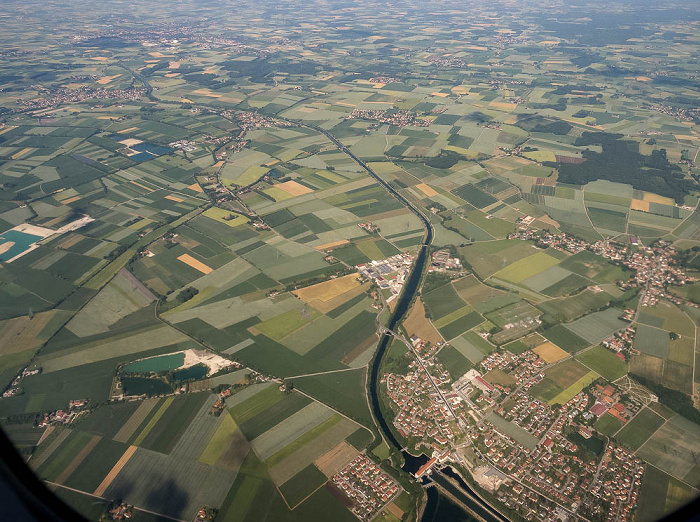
[(115, 253), (689, 258), (444, 160), (570, 89), (557, 127), (186, 294), (435, 280), (678, 401), (621, 162)]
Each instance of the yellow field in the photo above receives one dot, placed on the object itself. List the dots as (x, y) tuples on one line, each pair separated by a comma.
[(173, 198), (149, 189), (417, 324), (219, 215), (294, 188), (130, 142), (277, 194), (174, 65), (21, 153), (115, 471), (250, 175), (106, 79), (147, 429), (527, 267), (574, 389), (541, 155), (331, 245), (21, 333), (395, 510), (219, 442), (197, 265), (69, 241), (550, 352), (195, 187), (78, 459), (333, 461), (328, 289), (502, 105), (140, 224), (638, 204), (71, 200), (468, 153), (426, 189), (655, 198)]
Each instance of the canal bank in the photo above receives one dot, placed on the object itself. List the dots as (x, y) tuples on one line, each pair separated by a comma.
[(438, 506)]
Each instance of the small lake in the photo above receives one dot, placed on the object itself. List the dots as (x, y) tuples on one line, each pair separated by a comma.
[(193, 372), (22, 241), (145, 386), (161, 363)]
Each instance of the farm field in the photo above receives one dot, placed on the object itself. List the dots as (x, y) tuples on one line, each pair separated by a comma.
[(561, 380), (177, 184), (637, 431), (603, 362)]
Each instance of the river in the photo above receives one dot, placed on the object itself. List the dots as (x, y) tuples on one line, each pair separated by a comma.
[(439, 506)]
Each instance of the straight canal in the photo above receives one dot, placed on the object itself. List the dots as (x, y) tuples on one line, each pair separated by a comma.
[(439, 506)]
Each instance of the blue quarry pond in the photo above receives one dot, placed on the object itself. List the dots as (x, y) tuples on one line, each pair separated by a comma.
[(22, 241), (162, 363)]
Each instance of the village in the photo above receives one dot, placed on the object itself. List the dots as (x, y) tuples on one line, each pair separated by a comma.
[(654, 266), (62, 95), (526, 451), (398, 118), (366, 485)]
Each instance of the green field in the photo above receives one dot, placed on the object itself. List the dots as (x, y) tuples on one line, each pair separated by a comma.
[(569, 393), (273, 415), (637, 431), (597, 326), (565, 338), (109, 419), (603, 362), (98, 463), (456, 363), (608, 425), (303, 484), (263, 399), (528, 267), (442, 301), (284, 324), (661, 494), (651, 341), (342, 391), (219, 441)]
